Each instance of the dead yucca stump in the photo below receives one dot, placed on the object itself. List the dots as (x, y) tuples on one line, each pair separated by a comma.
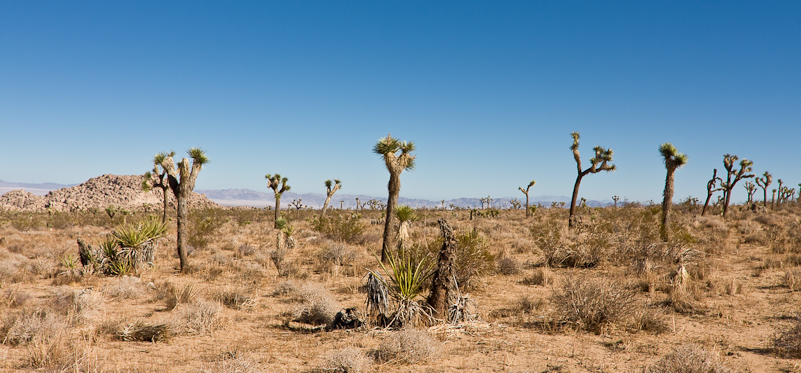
[(142, 332)]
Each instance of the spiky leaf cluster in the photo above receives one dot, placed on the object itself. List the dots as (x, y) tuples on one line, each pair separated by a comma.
[(388, 147)]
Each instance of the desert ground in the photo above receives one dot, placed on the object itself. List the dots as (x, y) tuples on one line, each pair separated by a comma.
[(609, 296)]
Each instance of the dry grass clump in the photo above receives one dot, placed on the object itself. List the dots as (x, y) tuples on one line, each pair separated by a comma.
[(508, 266), (125, 287), (792, 279), (408, 346), (237, 364), (238, 299), (592, 304), (140, 331), (199, 317), (690, 358), (346, 360), (787, 343), (24, 326), (317, 307), (540, 276)]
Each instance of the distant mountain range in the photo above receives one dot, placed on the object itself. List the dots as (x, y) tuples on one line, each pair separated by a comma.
[(247, 197)]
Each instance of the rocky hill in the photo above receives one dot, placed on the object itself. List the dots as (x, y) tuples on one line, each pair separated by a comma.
[(123, 191)]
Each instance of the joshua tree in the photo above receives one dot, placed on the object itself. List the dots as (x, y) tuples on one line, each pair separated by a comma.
[(711, 188), (615, 198), (273, 182), (158, 179), (515, 204), (330, 189), (781, 191), (750, 188), (763, 183), (182, 182), (733, 176), (673, 161), (530, 184), (601, 162), (397, 157)]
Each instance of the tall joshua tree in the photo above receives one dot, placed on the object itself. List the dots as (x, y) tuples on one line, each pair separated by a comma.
[(733, 176), (274, 181), (397, 157), (331, 188), (763, 183), (531, 184), (182, 182), (601, 162), (158, 179), (673, 160)]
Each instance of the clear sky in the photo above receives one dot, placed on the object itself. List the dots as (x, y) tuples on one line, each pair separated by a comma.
[(488, 90)]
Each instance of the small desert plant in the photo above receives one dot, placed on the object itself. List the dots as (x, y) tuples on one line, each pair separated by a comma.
[(347, 229), (592, 304), (318, 306), (689, 358), (347, 360), (198, 317), (124, 250), (407, 346), (508, 266), (472, 258), (407, 275)]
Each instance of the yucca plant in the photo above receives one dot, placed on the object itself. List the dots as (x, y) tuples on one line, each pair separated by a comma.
[(673, 160), (601, 162), (525, 191), (273, 182), (406, 216), (408, 276), (330, 189)]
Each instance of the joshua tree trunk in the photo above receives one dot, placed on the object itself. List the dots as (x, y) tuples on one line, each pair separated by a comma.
[(182, 212), (389, 230), (667, 202), (442, 285), (164, 210), (572, 221), (277, 207)]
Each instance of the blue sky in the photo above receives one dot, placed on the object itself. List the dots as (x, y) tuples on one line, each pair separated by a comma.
[(488, 91)]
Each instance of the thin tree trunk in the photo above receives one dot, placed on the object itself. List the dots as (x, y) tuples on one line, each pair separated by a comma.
[(328, 200), (570, 222), (442, 284), (667, 202), (182, 209), (528, 213), (394, 189), (277, 207), (708, 197), (726, 200), (164, 215)]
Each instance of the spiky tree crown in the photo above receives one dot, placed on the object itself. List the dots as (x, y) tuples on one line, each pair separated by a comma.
[(275, 180), (671, 155), (388, 147), (405, 213), (198, 156)]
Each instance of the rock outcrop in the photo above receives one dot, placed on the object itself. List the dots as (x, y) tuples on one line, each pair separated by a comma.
[(122, 191)]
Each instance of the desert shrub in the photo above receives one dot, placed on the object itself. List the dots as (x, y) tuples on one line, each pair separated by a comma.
[(787, 343), (561, 247), (77, 305), (407, 346), (650, 320), (337, 254), (540, 276), (127, 287), (237, 299), (317, 307), (347, 360), (13, 298), (689, 358), (592, 304), (347, 229), (198, 317), (792, 279), (203, 226), (22, 327), (285, 288), (508, 266), (472, 257), (173, 295), (126, 249)]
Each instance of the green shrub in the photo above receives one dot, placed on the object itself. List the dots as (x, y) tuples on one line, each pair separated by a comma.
[(347, 229)]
